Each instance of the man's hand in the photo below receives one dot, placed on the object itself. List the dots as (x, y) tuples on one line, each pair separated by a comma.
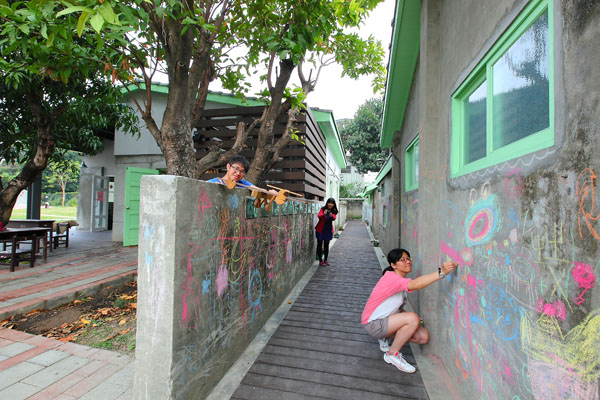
[(448, 267)]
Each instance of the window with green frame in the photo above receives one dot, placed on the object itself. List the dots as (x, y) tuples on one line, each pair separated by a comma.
[(505, 107), (411, 165)]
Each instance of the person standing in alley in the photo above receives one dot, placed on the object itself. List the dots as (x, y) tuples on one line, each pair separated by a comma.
[(381, 316), (324, 230)]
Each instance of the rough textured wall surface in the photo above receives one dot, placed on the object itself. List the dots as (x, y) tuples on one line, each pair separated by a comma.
[(212, 269), (521, 317)]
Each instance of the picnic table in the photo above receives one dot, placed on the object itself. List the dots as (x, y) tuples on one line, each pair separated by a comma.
[(33, 223), (14, 236)]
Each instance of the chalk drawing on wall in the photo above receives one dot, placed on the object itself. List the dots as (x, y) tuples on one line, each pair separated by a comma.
[(588, 212), (483, 221)]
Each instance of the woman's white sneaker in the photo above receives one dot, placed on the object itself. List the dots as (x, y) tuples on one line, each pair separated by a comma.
[(399, 362), (384, 345)]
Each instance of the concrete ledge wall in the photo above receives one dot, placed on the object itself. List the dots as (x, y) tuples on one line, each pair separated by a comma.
[(211, 272)]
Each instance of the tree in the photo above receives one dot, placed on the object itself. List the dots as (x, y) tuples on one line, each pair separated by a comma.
[(361, 136), (62, 173), (51, 97), (193, 43)]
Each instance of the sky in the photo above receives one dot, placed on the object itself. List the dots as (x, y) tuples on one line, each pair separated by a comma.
[(344, 95)]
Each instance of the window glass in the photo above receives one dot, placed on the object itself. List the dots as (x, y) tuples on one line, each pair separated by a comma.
[(475, 124), (521, 86), (411, 165)]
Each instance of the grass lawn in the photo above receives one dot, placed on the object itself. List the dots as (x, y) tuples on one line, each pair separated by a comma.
[(56, 213)]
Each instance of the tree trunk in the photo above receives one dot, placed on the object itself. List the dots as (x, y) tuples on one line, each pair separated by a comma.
[(28, 174)]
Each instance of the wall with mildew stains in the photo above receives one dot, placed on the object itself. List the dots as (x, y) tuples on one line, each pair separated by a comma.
[(212, 270)]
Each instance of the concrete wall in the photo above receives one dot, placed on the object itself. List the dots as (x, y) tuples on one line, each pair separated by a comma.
[(354, 208), (383, 225), (521, 317), (209, 276)]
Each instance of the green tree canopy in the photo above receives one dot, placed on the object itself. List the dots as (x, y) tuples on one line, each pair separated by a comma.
[(361, 136), (51, 95), (193, 43)]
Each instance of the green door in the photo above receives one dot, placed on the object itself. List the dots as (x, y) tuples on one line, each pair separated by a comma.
[(133, 176)]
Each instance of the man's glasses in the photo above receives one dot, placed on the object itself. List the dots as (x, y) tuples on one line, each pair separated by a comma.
[(238, 170)]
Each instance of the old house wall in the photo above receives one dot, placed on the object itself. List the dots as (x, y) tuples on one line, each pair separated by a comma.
[(521, 316)]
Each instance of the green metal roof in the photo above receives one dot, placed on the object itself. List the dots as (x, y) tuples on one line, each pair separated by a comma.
[(215, 97), (327, 124), (404, 54), (387, 167)]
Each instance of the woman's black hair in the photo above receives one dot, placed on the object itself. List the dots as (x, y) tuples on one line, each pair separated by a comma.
[(393, 257), (334, 210)]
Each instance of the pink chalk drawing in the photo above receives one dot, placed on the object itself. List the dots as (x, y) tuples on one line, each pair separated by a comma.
[(585, 277), (513, 183), (453, 254), (222, 279), (556, 309), (190, 298), (203, 202)]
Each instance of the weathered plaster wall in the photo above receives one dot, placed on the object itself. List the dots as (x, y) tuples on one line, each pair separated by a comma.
[(354, 207), (210, 274), (521, 317)]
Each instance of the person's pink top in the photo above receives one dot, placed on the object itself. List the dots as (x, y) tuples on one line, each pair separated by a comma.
[(389, 284)]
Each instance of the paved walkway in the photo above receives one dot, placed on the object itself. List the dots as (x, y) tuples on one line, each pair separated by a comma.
[(35, 367), (320, 350), (90, 262)]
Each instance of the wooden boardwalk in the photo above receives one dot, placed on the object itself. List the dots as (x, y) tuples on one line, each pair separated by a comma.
[(320, 350)]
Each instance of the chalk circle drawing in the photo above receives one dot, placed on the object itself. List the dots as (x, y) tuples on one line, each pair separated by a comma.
[(255, 291), (585, 190), (503, 313), (525, 270), (585, 277), (467, 256), (483, 221)]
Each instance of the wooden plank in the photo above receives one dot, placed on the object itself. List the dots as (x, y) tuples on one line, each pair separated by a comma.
[(308, 388), (341, 374), (247, 392)]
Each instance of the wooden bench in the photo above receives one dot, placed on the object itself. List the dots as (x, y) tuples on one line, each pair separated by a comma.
[(61, 236)]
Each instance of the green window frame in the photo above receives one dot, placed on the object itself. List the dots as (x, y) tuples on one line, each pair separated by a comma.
[(411, 165), (487, 125)]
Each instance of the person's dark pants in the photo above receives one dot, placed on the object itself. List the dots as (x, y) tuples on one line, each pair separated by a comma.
[(322, 249)]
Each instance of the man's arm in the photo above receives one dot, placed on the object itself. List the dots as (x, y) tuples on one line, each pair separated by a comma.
[(426, 280)]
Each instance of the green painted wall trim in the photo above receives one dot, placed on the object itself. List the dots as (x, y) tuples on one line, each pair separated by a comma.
[(214, 97), (327, 124), (384, 170), (483, 72), (382, 174), (403, 59)]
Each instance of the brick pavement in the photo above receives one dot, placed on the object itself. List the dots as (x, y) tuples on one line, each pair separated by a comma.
[(38, 368)]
